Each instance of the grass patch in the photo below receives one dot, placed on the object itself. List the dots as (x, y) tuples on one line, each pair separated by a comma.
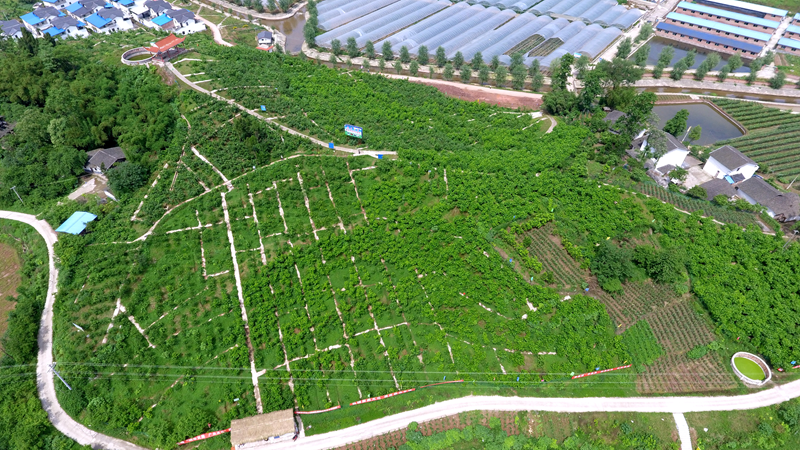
[(749, 369)]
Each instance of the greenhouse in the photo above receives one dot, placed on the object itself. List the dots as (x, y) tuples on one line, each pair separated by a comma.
[(496, 28), (359, 8), (521, 41), (472, 27), (493, 37), (425, 29), (365, 22)]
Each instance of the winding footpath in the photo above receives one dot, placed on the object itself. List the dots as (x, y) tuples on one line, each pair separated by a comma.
[(44, 377)]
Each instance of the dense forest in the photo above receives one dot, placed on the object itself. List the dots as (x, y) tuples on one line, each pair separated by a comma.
[(66, 101)]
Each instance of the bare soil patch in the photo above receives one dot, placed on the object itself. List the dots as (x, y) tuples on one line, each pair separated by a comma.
[(9, 281), (474, 93)]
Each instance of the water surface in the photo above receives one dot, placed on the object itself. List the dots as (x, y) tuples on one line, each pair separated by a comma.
[(716, 127)]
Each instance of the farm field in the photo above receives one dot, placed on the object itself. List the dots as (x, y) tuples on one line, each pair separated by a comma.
[(9, 280), (773, 138)]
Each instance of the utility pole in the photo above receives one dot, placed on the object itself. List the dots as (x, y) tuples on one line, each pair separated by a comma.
[(790, 240), (14, 188), (53, 368)]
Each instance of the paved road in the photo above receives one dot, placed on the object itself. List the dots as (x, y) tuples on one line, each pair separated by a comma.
[(680, 405), (44, 378), (683, 431)]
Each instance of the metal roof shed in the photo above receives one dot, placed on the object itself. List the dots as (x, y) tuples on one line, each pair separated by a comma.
[(277, 424), (76, 222), (745, 7), (719, 26)]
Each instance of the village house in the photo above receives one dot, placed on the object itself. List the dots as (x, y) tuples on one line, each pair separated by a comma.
[(109, 20), (782, 206), (39, 20), (66, 27), (102, 159), (727, 161), (85, 8), (10, 29)]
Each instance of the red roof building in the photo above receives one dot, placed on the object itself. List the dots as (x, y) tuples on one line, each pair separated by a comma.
[(165, 48)]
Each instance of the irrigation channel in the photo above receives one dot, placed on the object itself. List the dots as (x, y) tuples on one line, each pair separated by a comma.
[(716, 127)]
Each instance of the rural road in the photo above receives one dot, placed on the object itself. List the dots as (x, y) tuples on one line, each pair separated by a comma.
[(44, 378), (679, 405)]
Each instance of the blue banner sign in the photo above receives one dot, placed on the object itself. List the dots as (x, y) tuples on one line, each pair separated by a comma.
[(354, 131)]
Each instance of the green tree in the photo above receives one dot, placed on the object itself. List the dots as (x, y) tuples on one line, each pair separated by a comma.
[(645, 32), (689, 58), (625, 47), (518, 77), (495, 63), (640, 57), (466, 73), (582, 66), (423, 57), (404, 56), (591, 89), (441, 57), (778, 80), (398, 67), (477, 61), (639, 114), (734, 62), (352, 47), (127, 177), (678, 70), (431, 71), (386, 51), (537, 81), (458, 60), (369, 50), (381, 65), (559, 102), (309, 33), (336, 47), (677, 125), (500, 75), (413, 68), (448, 72), (695, 133), (723, 74), (483, 74), (697, 192)]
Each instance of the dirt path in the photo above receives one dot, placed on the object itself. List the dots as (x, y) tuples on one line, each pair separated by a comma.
[(471, 93), (215, 31)]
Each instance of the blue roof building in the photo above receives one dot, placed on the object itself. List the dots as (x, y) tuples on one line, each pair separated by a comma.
[(725, 42), (748, 8), (76, 223), (31, 19), (74, 7), (162, 20), (729, 15), (97, 21), (718, 26)]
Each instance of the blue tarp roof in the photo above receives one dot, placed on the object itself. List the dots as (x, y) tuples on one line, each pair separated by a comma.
[(74, 7), (729, 14), (697, 34), (53, 31), (31, 18), (76, 223), (125, 2), (97, 21), (789, 43), (719, 26), (162, 20)]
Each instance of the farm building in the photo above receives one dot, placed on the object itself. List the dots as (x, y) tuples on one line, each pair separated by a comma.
[(264, 38), (750, 9), (710, 41), (671, 159), (102, 159), (718, 28), (76, 223), (728, 161), (728, 17), (782, 206), (272, 427), (10, 29), (718, 186), (787, 45), (792, 32)]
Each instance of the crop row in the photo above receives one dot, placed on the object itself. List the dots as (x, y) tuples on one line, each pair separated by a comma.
[(692, 205)]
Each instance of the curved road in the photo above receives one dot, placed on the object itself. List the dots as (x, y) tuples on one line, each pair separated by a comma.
[(44, 378)]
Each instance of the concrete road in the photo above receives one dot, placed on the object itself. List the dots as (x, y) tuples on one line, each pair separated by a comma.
[(44, 377), (679, 405)]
